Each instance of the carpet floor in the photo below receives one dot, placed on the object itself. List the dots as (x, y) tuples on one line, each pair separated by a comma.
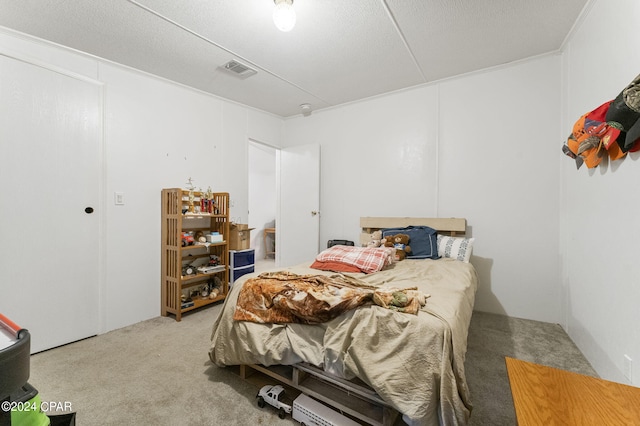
[(157, 372)]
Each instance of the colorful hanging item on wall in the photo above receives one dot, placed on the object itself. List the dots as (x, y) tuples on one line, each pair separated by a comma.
[(612, 129)]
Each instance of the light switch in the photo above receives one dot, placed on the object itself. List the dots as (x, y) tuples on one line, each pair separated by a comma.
[(119, 198)]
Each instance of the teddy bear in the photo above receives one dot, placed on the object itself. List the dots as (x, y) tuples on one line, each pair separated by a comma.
[(376, 239), (401, 243)]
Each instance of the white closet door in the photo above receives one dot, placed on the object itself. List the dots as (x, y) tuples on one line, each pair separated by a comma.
[(50, 137)]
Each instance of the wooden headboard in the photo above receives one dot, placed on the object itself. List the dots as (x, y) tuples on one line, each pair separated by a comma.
[(449, 226)]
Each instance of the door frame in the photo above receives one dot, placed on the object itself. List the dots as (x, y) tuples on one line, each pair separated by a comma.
[(250, 142), (278, 213)]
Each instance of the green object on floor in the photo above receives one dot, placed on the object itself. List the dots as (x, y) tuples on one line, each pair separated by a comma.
[(29, 413)]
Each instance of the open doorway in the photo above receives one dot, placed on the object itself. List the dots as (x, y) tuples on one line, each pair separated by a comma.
[(262, 202)]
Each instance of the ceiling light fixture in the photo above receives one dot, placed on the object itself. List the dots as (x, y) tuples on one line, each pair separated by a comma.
[(283, 15)]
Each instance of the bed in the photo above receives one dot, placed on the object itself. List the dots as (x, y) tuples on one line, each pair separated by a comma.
[(412, 364)]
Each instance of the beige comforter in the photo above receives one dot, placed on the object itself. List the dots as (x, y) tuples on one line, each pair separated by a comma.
[(414, 362)]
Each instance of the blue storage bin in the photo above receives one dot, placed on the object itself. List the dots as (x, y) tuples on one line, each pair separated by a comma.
[(238, 272), (241, 262), (240, 258)]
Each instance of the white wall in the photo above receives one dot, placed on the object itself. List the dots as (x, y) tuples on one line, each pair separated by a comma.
[(484, 147), (372, 152), (156, 134), (600, 207)]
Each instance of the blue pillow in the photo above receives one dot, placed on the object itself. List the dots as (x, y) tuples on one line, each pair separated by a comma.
[(422, 240)]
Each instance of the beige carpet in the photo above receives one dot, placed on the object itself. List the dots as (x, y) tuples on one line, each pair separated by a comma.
[(157, 372)]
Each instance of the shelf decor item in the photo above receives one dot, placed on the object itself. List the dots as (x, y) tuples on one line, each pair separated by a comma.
[(187, 262)]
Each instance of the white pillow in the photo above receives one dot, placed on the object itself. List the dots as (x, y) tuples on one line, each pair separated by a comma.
[(458, 248)]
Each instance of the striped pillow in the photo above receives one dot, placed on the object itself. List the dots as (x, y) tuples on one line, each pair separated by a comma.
[(458, 248)]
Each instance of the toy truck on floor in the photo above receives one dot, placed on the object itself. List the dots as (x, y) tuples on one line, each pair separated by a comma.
[(305, 410), (274, 396)]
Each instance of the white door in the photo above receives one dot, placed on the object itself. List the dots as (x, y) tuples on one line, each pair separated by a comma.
[(50, 130), (298, 226)]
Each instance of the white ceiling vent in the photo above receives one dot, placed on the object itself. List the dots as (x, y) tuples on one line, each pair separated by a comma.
[(241, 70)]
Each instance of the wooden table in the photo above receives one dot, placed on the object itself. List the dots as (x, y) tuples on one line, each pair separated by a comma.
[(268, 231), (549, 396)]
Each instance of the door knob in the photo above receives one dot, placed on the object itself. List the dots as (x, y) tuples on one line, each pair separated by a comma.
[(88, 210), (313, 213)]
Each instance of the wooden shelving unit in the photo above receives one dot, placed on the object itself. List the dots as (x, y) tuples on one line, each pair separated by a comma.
[(179, 218)]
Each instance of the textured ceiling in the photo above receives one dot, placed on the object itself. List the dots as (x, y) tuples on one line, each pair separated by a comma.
[(339, 51)]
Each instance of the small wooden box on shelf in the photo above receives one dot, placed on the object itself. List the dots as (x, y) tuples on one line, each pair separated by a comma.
[(200, 270)]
